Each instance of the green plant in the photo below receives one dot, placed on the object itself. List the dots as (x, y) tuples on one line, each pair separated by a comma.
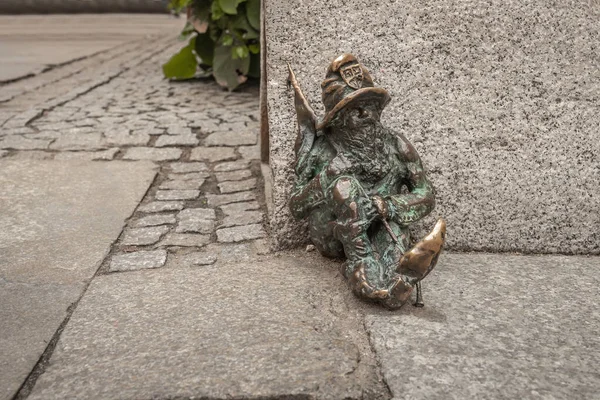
[(223, 41)]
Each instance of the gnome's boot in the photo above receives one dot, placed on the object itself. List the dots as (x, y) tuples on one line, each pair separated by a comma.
[(418, 262)]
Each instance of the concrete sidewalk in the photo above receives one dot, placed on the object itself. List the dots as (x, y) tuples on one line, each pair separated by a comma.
[(135, 265)]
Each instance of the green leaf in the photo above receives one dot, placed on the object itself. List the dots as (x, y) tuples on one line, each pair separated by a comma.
[(254, 48), (227, 71), (178, 5), (239, 52), (182, 65), (254, 70), (227, 40), (216, 10), (202, 9), (253, 13), (242, 27), (229, 6), (186, 32), (205, 48)]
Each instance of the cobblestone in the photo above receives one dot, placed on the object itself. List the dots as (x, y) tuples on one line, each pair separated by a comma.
[(87, 155), (233, 175), (138, 260), (198, 259), (155, 219), (177, 140), (22, 143), (197, 220), (79, 141), (215, 200), (151, 153), (231, 209), (186, 240), (188, 167), (160, 206), (232, 139), (144, 236), (242, 218), (237, 186), (232, 166), (240, 233), (177, 194), (182, 184), (213, 154)]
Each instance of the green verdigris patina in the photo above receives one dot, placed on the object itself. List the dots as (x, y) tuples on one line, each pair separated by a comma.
[(361, 185)]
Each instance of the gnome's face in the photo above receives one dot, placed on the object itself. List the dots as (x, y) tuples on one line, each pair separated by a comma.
[(362, 117)]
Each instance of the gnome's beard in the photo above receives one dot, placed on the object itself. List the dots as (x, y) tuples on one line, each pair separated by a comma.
[(366, 148)]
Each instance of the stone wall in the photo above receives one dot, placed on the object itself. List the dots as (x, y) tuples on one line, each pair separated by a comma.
[(500, 98), (81, 6)]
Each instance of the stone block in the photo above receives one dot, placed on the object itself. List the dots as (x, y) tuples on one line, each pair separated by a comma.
[(177, 140), (501, 106), (232, 166), (79, 141), (138, 260), (182, 167), (21, 143), (240, 233), (242, 218), (230, 139), (197, 220), (233, 175), (160, 206), (144, 236), (186, 240), (215, 200), (177, 194), (213, 154), (151, 153), (182, 184), (155, 219), (237, 186), (234, 208)]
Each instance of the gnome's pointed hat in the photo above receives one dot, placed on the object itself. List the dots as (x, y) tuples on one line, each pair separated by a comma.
[(347, 81)]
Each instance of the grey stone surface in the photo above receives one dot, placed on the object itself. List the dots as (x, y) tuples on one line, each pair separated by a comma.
[(196, 258), (232, 166), (58, 219), (144, 236), (160, 206), (177, 194), (215, 200), (234, 208), (185, 240), (213, 154), (155, 219), (151, 153), (79, 141), (108, 154), (189, 184), (138, 260), (242, 218), (496, 327), (233, 175), (238, 186), (23, 143), (230, 138), (177, 140), (240, 233), (249, 152), (500, 103), (188, 167), (216, 332), (59, 39)]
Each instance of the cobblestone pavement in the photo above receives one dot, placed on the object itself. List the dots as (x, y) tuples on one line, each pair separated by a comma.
[(116, 106)]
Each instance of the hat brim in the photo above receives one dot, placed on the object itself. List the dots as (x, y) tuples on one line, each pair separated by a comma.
[(369, 93)]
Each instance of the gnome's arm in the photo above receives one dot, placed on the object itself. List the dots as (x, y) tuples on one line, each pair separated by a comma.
[(420, 199)]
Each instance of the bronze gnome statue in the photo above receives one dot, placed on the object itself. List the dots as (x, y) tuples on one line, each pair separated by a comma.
[(361, 185)]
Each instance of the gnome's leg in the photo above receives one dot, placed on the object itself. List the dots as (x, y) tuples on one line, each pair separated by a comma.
[(390, 251), (320, 225), (354, 213)]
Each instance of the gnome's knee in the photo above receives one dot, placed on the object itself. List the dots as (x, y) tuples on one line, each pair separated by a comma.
[(347, 195)]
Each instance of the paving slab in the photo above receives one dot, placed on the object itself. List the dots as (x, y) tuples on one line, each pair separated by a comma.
[(496, 327), (276, 326), (58, 219)]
